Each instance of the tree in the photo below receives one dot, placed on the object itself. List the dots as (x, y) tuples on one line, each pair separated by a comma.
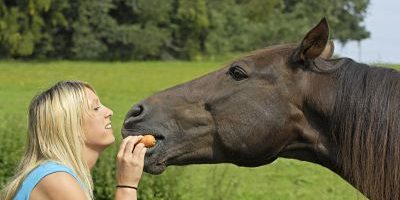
[(189, 30), (20, 26), (165, 29), (345, 16), (143, 30)]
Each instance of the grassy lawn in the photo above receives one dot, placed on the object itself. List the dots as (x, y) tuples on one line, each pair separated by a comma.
[(120, 85)]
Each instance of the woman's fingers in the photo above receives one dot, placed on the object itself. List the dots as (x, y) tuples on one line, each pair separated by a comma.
[(130, 144), (141, 156), (143, 153), (137, 151), (122, 147)]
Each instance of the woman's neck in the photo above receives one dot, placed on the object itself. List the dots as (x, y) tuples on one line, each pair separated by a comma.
[(91, 155)]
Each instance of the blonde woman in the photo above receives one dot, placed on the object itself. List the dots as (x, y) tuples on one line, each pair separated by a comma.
[(67, 131)]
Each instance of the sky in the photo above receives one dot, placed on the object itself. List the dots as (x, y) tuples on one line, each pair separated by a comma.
[(383, 46)]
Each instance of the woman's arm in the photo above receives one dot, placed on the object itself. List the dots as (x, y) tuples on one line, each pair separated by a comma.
[(130, 161)]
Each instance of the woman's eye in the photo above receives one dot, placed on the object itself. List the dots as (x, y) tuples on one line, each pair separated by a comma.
[(237, 73), (97, 108)]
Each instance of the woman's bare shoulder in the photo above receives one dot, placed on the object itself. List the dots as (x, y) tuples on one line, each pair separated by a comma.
[(58, 185)]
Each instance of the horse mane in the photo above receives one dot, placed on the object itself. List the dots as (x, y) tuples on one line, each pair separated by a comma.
[(366, 128)]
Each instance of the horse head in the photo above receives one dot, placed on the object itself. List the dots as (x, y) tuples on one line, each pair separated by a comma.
[(248, 113)]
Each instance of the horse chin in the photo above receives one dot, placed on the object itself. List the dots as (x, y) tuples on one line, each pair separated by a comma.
[(154, 164), (154, 169)]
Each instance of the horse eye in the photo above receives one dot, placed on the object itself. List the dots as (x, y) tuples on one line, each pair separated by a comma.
[(237, 73)]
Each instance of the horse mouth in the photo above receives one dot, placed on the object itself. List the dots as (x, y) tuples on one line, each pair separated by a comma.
[(154, 162), (139, 131)]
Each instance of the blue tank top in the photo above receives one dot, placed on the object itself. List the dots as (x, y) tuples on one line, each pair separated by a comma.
[(37, 174)]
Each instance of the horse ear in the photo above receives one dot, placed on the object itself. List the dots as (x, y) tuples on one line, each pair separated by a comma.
[(328, 51), (313, 43)]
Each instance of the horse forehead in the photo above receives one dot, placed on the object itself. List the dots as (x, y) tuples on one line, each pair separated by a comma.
[(273, 56)]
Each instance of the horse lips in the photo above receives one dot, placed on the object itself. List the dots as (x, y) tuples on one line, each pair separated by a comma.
[(148, 141)]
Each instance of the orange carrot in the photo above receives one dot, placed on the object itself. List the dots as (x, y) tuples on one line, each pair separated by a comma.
[(148, 141)]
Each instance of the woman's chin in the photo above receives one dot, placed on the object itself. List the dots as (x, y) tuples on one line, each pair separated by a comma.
[(108, 141), (112, 141)]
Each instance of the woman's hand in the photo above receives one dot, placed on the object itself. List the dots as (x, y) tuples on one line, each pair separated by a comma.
[(130, 161)]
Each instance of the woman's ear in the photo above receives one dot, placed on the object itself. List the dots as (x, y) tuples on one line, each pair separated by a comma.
[(314, 43)]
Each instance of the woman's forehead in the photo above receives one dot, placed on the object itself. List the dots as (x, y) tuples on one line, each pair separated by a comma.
[(92, 97)]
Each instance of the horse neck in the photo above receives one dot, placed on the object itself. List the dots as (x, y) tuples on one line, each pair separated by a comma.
[(313, 142), (356, 111), (318, 104)]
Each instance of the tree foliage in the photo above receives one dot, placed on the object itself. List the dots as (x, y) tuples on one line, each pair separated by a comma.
[(165, 29)]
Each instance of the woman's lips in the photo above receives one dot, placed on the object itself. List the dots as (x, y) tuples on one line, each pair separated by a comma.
[(108, 126)]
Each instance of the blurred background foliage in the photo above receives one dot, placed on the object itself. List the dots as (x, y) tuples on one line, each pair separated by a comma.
[(165, 29)]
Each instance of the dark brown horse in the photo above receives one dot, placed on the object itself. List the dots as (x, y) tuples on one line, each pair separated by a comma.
[(290, 101)]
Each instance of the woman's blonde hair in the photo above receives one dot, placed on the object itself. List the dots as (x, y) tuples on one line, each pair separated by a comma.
[(55, 132)]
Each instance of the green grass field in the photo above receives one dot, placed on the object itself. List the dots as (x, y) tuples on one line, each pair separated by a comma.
[(119, 86)]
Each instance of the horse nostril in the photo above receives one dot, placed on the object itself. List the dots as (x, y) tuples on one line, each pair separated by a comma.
[(207, 107), (135, 114), (137, 110)]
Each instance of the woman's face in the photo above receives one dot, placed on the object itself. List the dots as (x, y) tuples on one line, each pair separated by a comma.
[(97, 125)]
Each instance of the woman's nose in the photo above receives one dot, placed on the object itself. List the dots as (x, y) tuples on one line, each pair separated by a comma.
[(109, 113)]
